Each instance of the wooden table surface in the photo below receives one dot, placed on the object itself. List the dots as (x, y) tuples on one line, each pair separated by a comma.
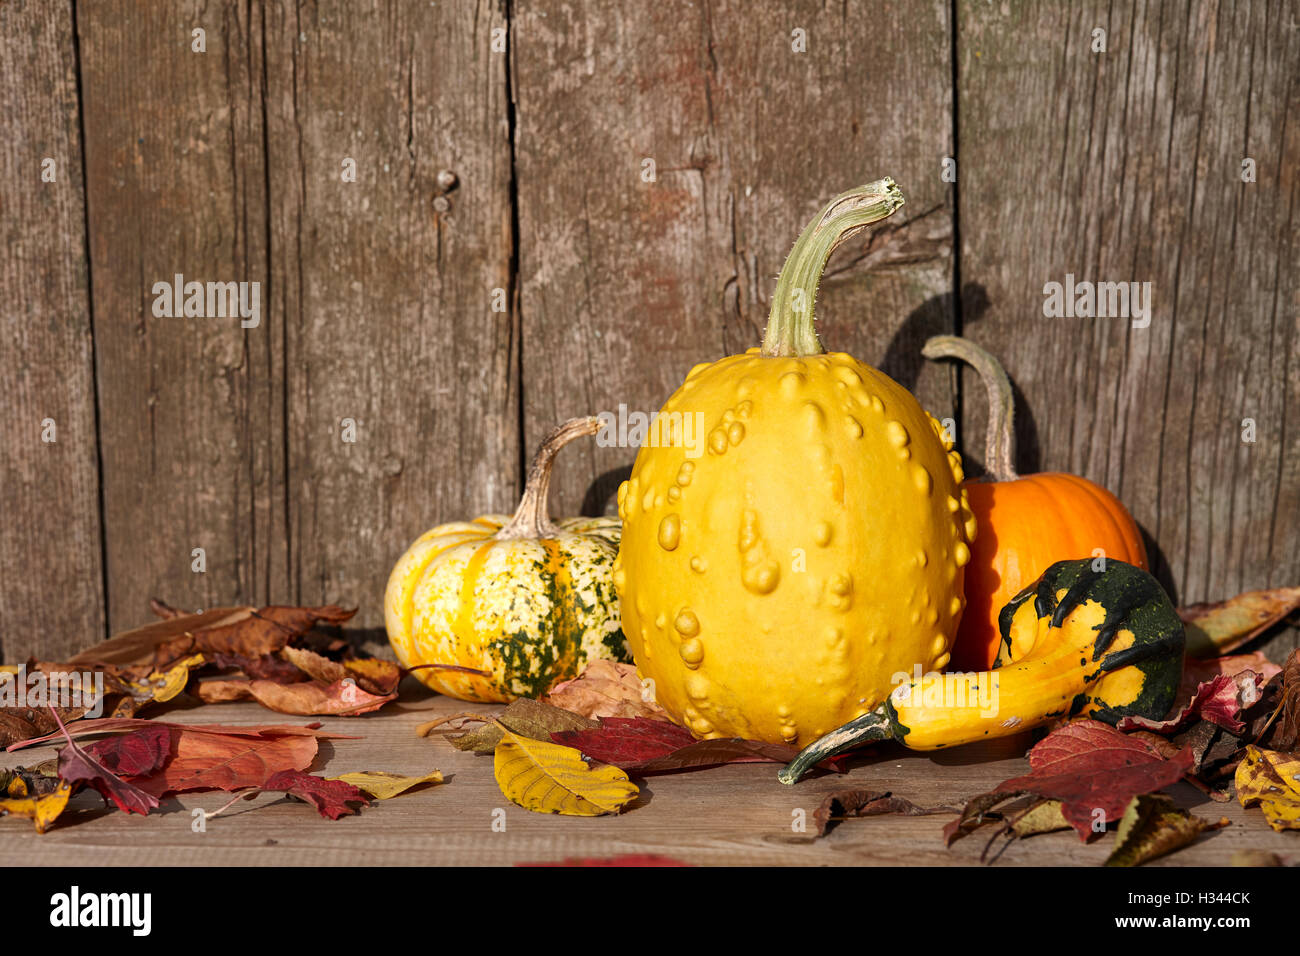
[(725, 815)]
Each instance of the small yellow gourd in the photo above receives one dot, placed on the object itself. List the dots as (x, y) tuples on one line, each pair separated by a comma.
[(526, 600), (774, 577)]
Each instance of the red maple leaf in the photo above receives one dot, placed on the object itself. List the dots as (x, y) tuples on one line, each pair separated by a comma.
[(644, 746)]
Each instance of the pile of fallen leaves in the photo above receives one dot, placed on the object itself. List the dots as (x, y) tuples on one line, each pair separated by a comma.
[(273, 655), (576, 752)]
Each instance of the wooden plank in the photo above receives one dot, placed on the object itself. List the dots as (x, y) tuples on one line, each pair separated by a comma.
[(1126, 166), (738, 815), (626, 284), (52, 598), (385, 285), (191, 408)]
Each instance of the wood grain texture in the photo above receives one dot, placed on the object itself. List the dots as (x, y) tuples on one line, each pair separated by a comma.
[(385, 285), (626, 284), (51, 573), (737, 815), (191, 419), (1126, 166)]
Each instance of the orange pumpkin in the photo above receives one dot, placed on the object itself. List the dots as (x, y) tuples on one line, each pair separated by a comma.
[(1026, 523)]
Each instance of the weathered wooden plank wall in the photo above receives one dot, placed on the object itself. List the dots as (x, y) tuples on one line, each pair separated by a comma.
[(385, 286), (175, 185), (51, 568), (751, 127), (1126, 165), (501, 262)]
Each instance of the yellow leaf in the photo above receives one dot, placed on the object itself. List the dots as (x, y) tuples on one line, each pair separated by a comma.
[(548, 778), (1272, 780), (383, 785), (42, 810), (162, 686)]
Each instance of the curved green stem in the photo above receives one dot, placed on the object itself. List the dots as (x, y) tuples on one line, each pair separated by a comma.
[(790, 328), (869, 728), (531, 519), (1000, 438)]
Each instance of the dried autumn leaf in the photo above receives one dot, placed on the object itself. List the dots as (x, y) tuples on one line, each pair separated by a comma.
[(383, 785), (1222, 626), (1220, 700), (19, 724), (161, 686), (316, 666), (1199, 741), (843, 804), (627, 742), (114, 724), (309, 698), (211, 757), (24, 782), (223, 691), (238, 631), (135, 754), (375, 675), (1272, 780), (1152, 825), (606, 689), (1042, 816), (219, 762), (1197, 671), (645, 746), (343, 698), (331, 798), (42, 809), (266, 667), (139, 644), (78, 767), (1281, 731), (265, 631), (1091, 768), (548, 778), (529, 718)]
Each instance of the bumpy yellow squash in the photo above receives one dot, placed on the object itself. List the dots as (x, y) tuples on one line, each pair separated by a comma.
[(527, 600), (772, 583)]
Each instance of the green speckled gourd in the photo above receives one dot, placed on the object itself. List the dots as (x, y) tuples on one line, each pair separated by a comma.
[(526, 600), (775, 576)]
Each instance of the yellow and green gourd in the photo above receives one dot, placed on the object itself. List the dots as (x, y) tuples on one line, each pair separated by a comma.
[(773, 582), (527, 600), (1091, 637)]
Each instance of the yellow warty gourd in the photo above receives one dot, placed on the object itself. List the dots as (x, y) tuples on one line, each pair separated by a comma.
[(778, 574)]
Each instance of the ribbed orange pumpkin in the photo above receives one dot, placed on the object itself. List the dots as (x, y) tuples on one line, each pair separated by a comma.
[(1026, 523)]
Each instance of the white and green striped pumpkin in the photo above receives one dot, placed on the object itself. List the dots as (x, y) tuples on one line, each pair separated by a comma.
[(527, 600)]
